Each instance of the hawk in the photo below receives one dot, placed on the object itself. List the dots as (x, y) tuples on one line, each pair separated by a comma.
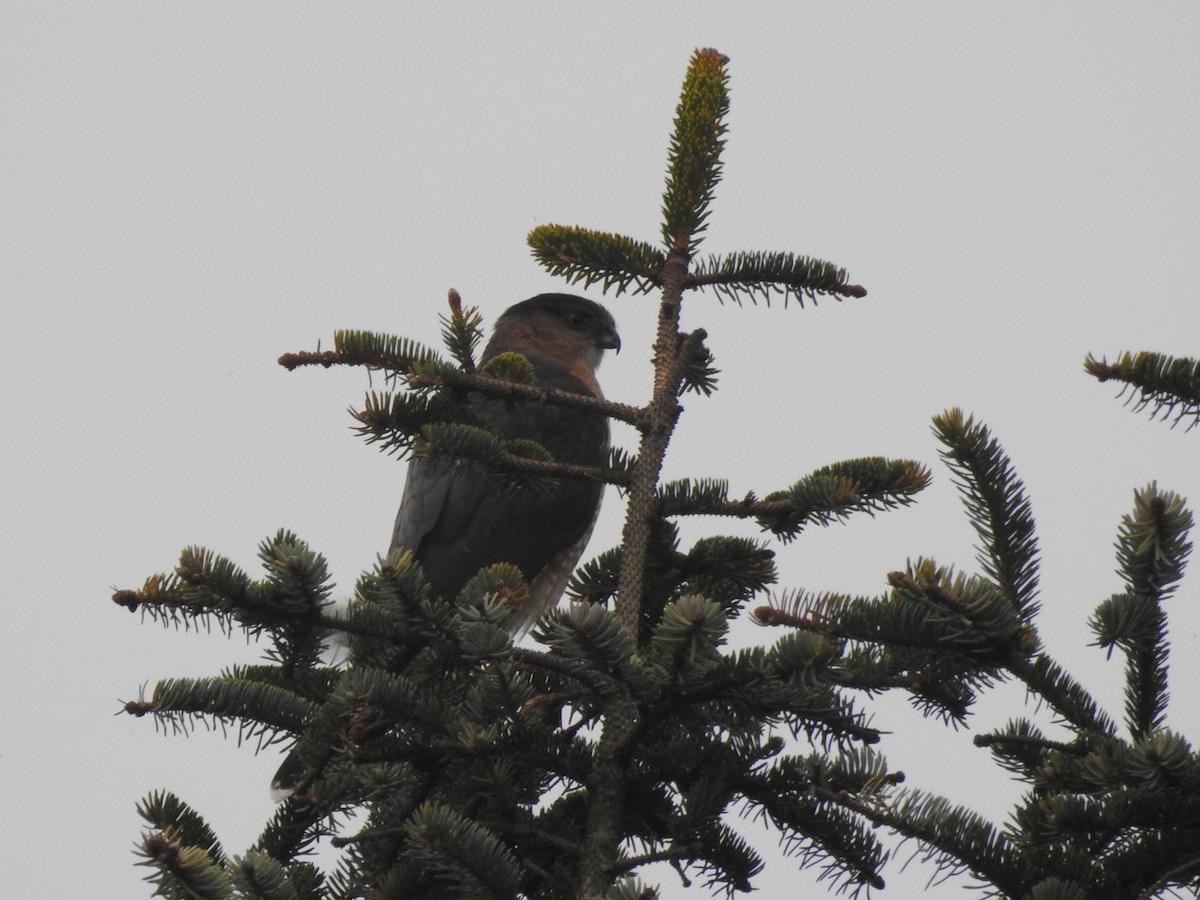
[(457, 518)]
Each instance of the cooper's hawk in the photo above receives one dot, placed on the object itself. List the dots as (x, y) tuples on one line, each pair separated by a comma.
[(457, 519)]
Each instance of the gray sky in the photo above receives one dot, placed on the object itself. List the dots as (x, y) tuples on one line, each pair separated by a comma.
[(189, 190)]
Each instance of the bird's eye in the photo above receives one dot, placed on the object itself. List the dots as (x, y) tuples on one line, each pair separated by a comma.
[(577, 321)]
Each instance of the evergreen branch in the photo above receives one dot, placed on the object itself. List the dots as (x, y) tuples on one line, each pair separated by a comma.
[(395, 355), (497, 597), (395, 614), (1168, 386), (597, 579), (955, 837), (508, 367), (528, 461), (679, 500), (682, 503), (542, 836), (1021, 748), (307, 880), (547, 662), (183, 870), (453, 441), (204, 586), (686, 497), (835, 842), (462, 853), (1126, 837), (399, 696), (1153, 545), (314, 684), (815, 831), (699, 376), (694, 157), (183, 849), (1138, 625), (686, 639), (1152, 550), (621, 463), (673, 853), (1048, 681), (975, 616), (729, 570), (208, 586), (807, 656), (587, 256), (223, 583), (493, 387), (739, 276), (462, 331), (725, 858), (423, 370), (393, 578), (938, 635), (823, 715), (169, 601), (934, 607), (591, 636), (297, 582), (262, 708), (1162, 765), (832, 493), (915, 615), (394, 420), (780, 684), (257, 876), (164, 811), (995, 501), (303, 819)]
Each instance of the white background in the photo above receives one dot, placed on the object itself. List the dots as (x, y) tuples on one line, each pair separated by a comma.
[(190, 190)]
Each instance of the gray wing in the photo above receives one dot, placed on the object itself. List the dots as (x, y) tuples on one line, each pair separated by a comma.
[(547, 587), (456, 518), (426, 487)]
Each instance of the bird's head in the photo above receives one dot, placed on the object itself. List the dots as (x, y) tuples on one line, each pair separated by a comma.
[(570, 329)]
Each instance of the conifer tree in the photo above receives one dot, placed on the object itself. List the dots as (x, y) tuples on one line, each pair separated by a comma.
[(482, 769), (442, 761), (1111, 810)]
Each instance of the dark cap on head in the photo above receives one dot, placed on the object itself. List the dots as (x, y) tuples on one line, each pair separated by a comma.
[(577, 313)]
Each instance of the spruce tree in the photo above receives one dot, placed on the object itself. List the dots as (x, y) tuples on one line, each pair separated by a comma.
[(442, 761), (1110, 809)]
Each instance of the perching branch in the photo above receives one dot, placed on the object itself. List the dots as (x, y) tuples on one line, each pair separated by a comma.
[(449, 377)]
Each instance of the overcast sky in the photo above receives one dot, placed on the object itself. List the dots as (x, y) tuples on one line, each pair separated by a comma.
[(191, 189)]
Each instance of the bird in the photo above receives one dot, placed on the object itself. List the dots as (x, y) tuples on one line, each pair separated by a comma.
[(457, 518)]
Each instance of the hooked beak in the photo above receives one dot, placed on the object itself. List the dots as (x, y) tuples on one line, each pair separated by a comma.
[(610, 341)]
